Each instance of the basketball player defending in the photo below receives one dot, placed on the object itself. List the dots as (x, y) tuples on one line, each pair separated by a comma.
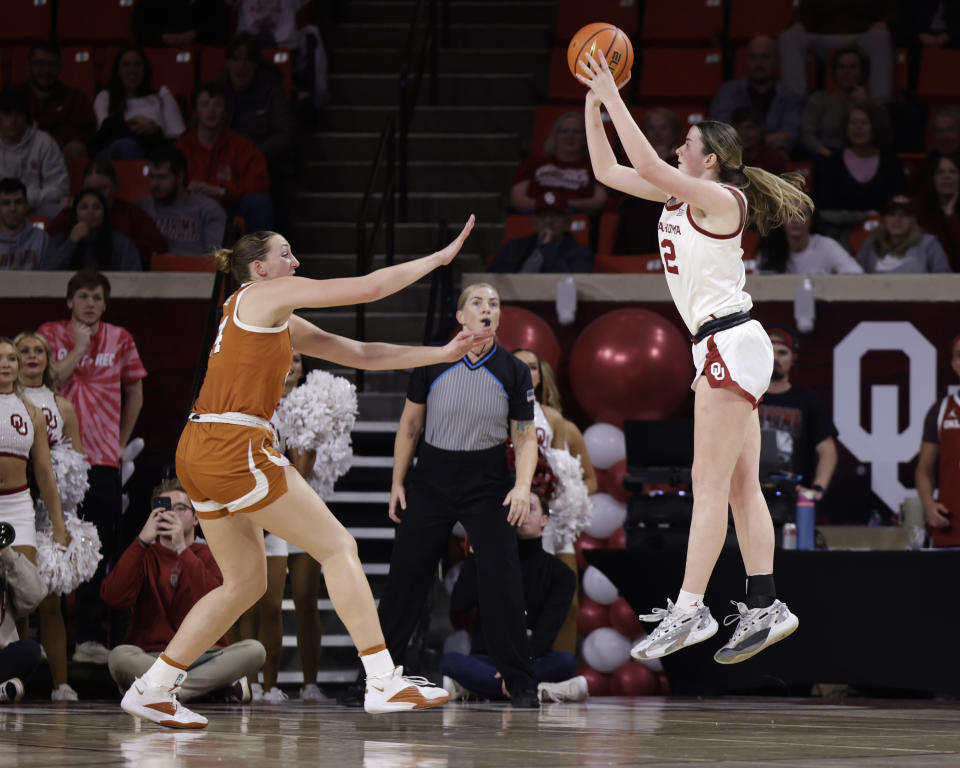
[(241, 486), (699, 232)]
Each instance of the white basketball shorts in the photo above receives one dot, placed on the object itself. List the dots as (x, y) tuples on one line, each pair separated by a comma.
[(740, 358)]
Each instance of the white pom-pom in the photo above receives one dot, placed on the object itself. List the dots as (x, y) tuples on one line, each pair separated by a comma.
[(70, 468), (63, 569), (570, 508)]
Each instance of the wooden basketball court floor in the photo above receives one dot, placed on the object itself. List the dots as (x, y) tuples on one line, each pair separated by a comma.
[(599, 732)]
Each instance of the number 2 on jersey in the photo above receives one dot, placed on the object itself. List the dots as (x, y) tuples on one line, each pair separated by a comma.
[(669, 257)]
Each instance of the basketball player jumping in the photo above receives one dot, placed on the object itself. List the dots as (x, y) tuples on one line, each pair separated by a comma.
[(240, 485), (703, 219)]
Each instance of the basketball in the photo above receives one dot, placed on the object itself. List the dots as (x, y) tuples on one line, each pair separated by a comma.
[(606, 39)]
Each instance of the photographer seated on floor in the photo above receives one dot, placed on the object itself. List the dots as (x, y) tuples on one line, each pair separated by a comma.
[(159, 577)]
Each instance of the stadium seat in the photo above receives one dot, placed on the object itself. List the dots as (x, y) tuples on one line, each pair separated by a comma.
[(212, 61), (702, 22), (172, 262), (859, 234), (175, 68), (749, 18), (740, 65), (78, 71), (607, 235), (520, 225), (644, 263), (38, 222), (15, 57), (938, 80), (561, 85), (281, 59), (95, 21), (573, 14), (132, 180), (75, 166), (913, 167), (680, 74), (26, 19)]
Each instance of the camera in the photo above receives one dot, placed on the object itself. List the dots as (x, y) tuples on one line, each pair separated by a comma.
[(7, 535)]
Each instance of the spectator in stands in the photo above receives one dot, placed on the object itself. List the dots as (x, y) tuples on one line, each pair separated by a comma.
[(775, 108), (825, 113), (927, 24), (563, 168), (31, 155), (548, 588), (192, 224), (275, 25), (793, 249), (63, 112), (159, 577), (865, 174), (756, 151), (551, 249), (258, 108), (939, 458), (225, 165), (22, 245), (805, 432), (125, 217), (93, 243), (180, 23), (941, 214), (899, 245), (823, 25), (21, 590), (945, 136), (100, 372), (132, 117)]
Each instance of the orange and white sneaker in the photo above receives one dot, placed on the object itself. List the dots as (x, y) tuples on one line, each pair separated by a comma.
[(396, 693), (159, 705)]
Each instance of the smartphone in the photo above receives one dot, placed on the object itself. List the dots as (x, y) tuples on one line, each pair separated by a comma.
[(161, 501)]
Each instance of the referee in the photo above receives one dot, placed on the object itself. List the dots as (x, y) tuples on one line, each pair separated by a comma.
[(467, 410)]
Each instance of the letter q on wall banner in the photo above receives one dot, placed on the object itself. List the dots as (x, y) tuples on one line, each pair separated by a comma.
[(883, 446)]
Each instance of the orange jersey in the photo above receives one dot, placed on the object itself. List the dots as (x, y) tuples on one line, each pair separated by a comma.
[(247, 366)]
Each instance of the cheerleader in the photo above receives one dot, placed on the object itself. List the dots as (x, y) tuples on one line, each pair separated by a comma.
[(70, 469)]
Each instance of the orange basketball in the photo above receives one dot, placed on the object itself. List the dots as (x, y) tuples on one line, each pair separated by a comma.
[(606, 40)]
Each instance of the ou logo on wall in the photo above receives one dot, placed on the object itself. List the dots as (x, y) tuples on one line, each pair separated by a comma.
[(882, 445)]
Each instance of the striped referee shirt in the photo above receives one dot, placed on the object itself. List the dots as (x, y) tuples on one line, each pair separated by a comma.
[(470, 405)]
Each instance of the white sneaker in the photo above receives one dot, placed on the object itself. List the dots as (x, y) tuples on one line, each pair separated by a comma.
[(457, 692), (159, 705), (274, 696), (757, 628), (574, 689), (396, 693), (256, 692), (91, 652), (11, 691), (312, 692), (677, 630), (63, 693)]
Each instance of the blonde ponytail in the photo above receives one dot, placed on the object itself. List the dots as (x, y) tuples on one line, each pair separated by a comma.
[(223, 258), (773, 200)]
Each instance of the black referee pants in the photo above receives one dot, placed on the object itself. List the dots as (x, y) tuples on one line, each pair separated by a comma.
[(469, 486)]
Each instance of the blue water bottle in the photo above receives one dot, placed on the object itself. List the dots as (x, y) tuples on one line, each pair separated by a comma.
[(806, 512)]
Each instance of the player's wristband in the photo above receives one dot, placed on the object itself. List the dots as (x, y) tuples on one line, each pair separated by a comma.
[(818, 488)]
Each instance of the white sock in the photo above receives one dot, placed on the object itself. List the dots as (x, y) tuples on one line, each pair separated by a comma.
[(379, 664), (164, 675), (688, 601)]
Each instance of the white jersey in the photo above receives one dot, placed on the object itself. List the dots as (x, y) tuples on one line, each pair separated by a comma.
[(16, 428), (705, 272), (46, 401), (544, 430)]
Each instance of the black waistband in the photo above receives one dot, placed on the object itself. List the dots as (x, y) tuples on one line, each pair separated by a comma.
[(720, 324)]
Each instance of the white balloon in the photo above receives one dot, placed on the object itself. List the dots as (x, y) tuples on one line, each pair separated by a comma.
[(457, 642), (608, 515), (605, 444), (605, 649), (598, 587)]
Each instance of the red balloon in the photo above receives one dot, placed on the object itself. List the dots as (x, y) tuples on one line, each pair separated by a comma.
[(664, 684), (618, 539), (615, 475), (522, 329), (586, 541), (591, 615), (633, 679), (624, 619), (597, 683), (631, 364)]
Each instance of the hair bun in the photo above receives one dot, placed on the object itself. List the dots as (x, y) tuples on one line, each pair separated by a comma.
[(224, 258)]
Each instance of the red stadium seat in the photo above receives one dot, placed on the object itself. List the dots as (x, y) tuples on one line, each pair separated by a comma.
[(680, 74), (938, 75), (561, 85), (75, 166), (573, 14), (749, 18), (16, 64), (212, 62), (281, 59), (519, 225), (132, 181), (683, 22), (95, 21), (175, 68), (644, 263), (607, 236), (172, 262), (26, 19), (859, 234)]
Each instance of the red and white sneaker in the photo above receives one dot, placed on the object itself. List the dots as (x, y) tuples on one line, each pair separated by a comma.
[(397, 693), (159, 705)]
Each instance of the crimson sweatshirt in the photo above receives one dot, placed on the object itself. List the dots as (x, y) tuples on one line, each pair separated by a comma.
[(160, 587)]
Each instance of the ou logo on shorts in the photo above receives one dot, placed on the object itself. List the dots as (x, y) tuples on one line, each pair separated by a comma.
[(17, 422), (717, 371)]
